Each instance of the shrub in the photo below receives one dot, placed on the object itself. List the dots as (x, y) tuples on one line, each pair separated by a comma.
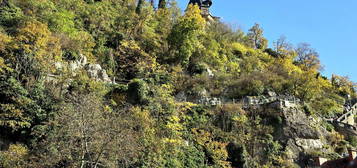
[(14, 157), (137, 91)]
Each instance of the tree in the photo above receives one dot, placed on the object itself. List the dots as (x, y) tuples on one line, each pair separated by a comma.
[(307, 57), (282, 46), (162, 4), (10, 15), (255, 37), (132, 61), (139, 6), (343, 85), (88, 133), (33, 50), (184, 37), (13, 104)]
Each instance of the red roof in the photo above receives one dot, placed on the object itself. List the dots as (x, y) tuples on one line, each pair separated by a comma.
[(340, 163)]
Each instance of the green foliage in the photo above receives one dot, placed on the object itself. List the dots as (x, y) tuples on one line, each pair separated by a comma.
[(10, 15), (33, 50), (14, 101), (352, 140), (184, 38), (63, 22), (193, 157), (24, 111), (343, 86), (163, 64), (14, 157), (132, 61), (138, 91), (255, 37), (162, 4), (197, 68)]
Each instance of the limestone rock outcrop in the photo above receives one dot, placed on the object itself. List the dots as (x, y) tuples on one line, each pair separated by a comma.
[(94, 71)]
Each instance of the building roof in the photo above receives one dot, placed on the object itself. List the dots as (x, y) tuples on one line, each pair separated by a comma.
[(340, 163)]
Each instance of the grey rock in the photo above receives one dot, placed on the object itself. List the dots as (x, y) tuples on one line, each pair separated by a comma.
[(93, 70), (210, 72), (96, 72), (297, 124), (292, 150), (104, 76), (309, 144), (181, 97), (59, 66), (272, 94), (73, 67), (203, 93), (213, 101), (82, 61)]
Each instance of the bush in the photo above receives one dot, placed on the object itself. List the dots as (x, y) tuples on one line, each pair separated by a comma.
[(10, 15), (14, 157), (137, 91), (197, 68)]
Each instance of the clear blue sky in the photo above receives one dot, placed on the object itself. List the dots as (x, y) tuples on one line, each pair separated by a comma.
[(330, 26)]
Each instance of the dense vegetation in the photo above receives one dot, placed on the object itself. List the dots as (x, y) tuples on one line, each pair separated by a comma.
[(154, 54)]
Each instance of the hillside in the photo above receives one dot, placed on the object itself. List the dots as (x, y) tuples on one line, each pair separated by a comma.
[(124, 83)]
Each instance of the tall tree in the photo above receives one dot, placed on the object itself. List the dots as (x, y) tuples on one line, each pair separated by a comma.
[(90, 134), (255, 37), (282, 46), (184, 37), (307, 57), (162, 4)]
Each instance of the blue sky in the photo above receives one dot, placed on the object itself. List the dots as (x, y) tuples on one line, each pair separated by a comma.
[(330, 26)]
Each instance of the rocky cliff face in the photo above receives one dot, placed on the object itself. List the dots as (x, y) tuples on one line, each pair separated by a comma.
[(302, 135)]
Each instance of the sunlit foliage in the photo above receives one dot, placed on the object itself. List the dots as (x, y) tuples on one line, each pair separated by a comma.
[(162, 65)]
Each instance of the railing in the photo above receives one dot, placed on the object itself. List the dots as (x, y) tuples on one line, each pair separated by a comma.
[(252, 101), (213, 101), (345, 125), (342, 121), (345, 116), (247, 101), (354, 107)]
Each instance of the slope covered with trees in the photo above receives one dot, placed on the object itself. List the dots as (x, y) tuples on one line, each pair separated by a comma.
[(152, 55)]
